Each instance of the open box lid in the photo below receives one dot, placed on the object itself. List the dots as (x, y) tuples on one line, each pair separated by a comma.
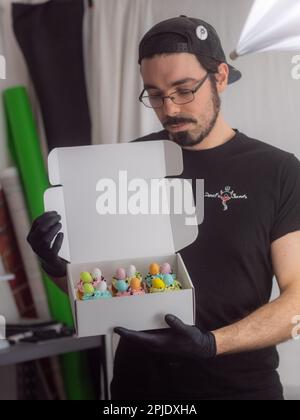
[(89, 236)]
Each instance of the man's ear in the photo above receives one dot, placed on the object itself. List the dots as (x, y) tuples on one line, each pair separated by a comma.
[(222, 77)]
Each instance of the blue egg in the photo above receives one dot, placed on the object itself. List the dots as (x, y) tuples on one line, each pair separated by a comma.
[(121, 285), (168, 279)]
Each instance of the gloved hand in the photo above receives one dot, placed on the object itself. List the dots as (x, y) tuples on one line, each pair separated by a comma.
[(181, 339), (40, 237)]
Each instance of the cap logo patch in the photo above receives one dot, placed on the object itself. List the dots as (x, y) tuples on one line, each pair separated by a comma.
[(202, 33)]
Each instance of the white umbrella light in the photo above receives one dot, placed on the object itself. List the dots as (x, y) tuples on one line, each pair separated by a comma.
[(271, 25)]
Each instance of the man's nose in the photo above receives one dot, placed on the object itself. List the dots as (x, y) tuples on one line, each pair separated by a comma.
[(170, 108)]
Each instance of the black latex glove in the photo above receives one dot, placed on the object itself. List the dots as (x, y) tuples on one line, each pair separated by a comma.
[(181, 339), (42, 232)]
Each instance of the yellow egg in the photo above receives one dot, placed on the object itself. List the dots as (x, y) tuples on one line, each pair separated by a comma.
[(88, 289), (158, 283), (154, 269), (135, 283), (86, 277)]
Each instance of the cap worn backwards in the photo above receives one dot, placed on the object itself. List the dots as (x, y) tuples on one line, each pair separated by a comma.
[(187, 35)]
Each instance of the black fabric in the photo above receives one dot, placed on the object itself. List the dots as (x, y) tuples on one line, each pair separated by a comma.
[(231, 268), (50, 36)]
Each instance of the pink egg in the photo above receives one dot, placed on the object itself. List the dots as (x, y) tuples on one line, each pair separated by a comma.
[(120, 274), (165, 268)]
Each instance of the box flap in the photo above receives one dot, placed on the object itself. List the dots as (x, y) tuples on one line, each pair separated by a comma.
[(91, 236)]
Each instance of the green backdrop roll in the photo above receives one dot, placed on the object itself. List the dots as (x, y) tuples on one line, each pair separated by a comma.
[(25, 149)]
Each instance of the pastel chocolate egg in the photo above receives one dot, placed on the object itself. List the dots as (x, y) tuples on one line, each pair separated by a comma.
[(158, 283), (154, 269), (121, 285), (168, 279), (88, 289), (165, 268), (86, 277), (135, 283), (131, 271), (97, 273), (120, 274), (102, 286)]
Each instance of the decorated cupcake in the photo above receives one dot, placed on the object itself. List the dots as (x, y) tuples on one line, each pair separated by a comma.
[(154, 273), (161, 279), (136, 286), (120, 283), (100, 284), (92, 286)]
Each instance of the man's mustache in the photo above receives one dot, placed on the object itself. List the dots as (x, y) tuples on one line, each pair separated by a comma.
[(177, 120)]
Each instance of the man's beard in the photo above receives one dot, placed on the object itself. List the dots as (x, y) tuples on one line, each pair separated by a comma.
[(184, 138)]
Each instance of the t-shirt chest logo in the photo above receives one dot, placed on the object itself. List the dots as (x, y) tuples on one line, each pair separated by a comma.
[(226, 196)]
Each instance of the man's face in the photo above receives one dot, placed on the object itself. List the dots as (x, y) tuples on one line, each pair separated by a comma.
[(188, 124)]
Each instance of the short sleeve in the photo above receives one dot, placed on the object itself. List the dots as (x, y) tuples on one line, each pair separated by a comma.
[(287, 216)]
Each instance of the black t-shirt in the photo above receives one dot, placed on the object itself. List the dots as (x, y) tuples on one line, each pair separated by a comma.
[(252, 198)]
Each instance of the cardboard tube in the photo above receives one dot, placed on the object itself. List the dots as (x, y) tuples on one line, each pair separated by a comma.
[(29, 161)]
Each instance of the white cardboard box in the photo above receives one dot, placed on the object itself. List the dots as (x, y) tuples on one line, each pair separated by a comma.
[(113, 241)]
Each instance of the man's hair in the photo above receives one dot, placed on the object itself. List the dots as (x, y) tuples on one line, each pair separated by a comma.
[(166, 39), (209, 64)]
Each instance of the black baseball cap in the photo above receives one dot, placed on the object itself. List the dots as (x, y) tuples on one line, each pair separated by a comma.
[(188, 35)]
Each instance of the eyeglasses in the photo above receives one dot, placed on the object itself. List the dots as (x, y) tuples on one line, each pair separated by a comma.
[(178, 97)]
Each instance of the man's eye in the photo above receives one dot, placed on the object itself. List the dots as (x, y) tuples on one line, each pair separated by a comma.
[(183, 92), (154, 95)]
